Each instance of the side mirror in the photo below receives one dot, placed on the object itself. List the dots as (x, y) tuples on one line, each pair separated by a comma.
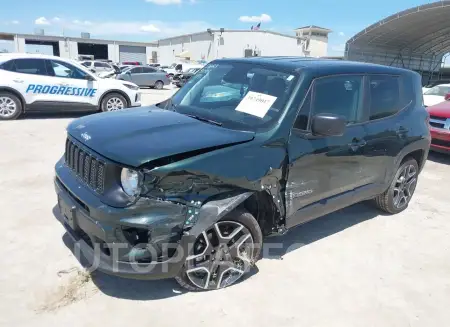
[(328, 125), (128, 72), (447, 97), (88, 77)]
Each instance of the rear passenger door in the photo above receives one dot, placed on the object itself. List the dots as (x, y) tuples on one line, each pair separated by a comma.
[(324, 171), (385, 129), (148, 76), (29, 76), (136, 75)]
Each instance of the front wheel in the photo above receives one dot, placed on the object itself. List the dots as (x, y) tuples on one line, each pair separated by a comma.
[(223, 253), (113, 102), (396, 198), (10, 106), (159, 85)]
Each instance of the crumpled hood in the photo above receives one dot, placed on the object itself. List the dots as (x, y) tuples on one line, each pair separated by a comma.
[(134, 137)]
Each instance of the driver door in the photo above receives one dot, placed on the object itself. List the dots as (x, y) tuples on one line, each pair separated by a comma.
[(324, 171), (75, 85)]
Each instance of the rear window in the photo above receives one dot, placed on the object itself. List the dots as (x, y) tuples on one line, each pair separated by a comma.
[(8, 65), (384, 96)]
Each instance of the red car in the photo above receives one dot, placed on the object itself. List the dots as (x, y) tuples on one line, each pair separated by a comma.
[(440, 126)]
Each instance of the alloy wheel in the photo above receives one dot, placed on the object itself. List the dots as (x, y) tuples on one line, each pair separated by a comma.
[(405, 186), (222, 255), (114, 104), (7, 107)]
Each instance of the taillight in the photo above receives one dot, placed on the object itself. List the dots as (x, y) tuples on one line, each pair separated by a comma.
[(447, 97), (167, 75)]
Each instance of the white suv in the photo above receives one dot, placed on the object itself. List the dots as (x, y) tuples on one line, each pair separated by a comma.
[(30, 82)]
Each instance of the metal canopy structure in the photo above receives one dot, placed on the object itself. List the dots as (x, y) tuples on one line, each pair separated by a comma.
[(416, 38)]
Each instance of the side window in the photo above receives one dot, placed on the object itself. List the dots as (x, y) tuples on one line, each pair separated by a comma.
[(384, 96), (86, 64), (30, 66), (148, 70), (65, 70), (339, 95), (101, 64), (136, 70), (179, 67), (8, 65)]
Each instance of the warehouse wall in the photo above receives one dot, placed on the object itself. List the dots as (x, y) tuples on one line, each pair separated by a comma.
[(200, 46), (233, 44), (318, 46)]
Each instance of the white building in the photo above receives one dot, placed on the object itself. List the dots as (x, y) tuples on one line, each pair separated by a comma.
[(212, 44), (208, 45)]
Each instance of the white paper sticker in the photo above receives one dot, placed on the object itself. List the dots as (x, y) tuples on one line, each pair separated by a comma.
[(256, 104), (290, 77)]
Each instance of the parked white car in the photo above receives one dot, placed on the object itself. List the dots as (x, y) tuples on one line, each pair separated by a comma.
[(33, 82), (181, 67), (436, 94)]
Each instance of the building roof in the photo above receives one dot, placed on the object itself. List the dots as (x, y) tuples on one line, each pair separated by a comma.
[(423, 29), (315, 27), (54, 38), (228, 31)]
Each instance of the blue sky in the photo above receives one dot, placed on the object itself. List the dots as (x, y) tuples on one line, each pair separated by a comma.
[(148, 20)]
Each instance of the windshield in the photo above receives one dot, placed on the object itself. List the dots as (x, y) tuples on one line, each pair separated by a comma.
[(237, 95), (172, 66), (441, 90)]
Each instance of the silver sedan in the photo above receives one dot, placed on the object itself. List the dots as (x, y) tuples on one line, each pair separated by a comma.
[(145, 76)]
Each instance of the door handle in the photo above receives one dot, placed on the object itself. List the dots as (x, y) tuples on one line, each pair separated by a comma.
[(356, 144), (18, 80)]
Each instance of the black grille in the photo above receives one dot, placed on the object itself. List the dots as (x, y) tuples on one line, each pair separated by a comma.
[(438, 118), (87, 167), (440, 142), (437, 125)]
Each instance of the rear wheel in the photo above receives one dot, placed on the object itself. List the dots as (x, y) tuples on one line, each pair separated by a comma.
[(396, 198), (113, 102), (159, 85), (223, 253), (10, 106)]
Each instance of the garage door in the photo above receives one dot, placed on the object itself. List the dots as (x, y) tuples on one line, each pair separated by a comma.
[(132, 53)]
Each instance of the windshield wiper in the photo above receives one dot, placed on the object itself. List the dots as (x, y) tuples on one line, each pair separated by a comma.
[(205, 120)]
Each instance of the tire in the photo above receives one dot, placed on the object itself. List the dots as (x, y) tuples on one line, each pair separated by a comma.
[(159, 85), (232, 268), (170, 77), (10, 106), (397, 197), (111, 102)]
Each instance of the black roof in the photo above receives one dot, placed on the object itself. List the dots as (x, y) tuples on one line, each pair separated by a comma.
[(321, 66)]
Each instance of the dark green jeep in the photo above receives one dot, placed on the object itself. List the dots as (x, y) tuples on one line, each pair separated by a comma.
[(189, 187)]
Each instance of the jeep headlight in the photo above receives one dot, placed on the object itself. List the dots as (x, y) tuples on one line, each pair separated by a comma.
[(131, 181)]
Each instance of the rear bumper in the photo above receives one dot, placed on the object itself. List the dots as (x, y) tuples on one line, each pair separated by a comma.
[(97, 232), (440, 140)]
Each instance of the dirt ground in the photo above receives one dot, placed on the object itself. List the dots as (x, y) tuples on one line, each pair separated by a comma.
[(355, 267)]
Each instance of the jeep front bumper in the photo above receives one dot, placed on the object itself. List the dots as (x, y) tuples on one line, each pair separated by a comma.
[(113, 239)]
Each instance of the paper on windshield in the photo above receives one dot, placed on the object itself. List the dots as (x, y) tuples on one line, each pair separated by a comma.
[(256, 104)]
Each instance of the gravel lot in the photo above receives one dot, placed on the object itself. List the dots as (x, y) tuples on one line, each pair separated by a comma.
[(356, 267)]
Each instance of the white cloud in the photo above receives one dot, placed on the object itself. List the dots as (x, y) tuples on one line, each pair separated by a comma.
[(264, 18), (165, 2), (150, 28), (15, 22), (341, 34), (42, 21), (56, 19), (158, 29)]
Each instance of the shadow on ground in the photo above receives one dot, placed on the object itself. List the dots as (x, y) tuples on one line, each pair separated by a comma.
[(59, 115), (274, 248), (438, 157)]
